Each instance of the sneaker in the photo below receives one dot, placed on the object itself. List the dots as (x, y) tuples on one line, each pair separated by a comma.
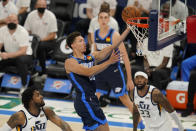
[(187, 113), (104, 101), (141, 125), (44, 76)]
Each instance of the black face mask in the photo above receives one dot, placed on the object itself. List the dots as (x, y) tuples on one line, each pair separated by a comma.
[(41, 10), (11, 26)]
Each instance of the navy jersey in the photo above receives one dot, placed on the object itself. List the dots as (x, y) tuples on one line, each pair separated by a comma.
[(112, 77), (86, 103), (84, 85), (102, 43)]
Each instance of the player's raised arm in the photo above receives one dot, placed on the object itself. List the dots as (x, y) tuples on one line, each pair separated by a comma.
[(159, 98), (56, 119), (71, 65), (117, 40)]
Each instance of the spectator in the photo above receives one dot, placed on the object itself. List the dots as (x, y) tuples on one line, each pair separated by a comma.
[(94, 24), (22, 5), (23, 9), (187, 66), (179, 10), (92, 10), (93, 7), (43, 23), (191, 93), (157, 64), (6, 8), (15, 40), (143, 5)]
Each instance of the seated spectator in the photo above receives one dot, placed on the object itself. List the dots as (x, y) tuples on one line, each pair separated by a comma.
[(187, 66), (179, 10), (43, 23), (22, 5), (157, 64), (94, 24), (191, 92), (6, 8), (143, 5), (92, 10), (23, 9), (15, 40)]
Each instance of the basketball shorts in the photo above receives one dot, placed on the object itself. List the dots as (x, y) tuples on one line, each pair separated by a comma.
[(91, 114), (111, 79)]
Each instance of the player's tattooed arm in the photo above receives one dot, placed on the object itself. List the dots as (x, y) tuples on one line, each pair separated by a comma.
[(16, 119), (159, 98), (56, 119), (136, 116)]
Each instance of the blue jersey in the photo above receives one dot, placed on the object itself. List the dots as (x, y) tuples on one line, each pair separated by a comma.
[(86, 103), (102, 43), (112, 77), (84, 85)]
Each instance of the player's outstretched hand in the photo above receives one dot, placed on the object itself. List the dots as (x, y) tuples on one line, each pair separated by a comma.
[(130, 85), (115, 57)]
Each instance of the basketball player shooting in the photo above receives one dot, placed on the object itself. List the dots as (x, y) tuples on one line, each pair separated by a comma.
[(33, 116), (151, 105)]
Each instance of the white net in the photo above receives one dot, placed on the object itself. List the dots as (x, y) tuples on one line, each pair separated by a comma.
[(166, 27), (139, 33)]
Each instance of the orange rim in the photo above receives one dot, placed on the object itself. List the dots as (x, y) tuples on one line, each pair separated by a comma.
[(130, 21)]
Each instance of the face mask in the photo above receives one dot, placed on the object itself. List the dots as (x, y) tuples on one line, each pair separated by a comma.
[(11, 26), (41, 10)]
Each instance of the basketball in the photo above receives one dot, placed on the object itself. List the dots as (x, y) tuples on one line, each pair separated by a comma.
[(130, 12)]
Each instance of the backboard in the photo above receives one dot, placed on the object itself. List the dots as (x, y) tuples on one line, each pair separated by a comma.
[(167, 23)]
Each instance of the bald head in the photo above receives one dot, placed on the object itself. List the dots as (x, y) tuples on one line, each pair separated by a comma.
[(41, 4), (13, 18)]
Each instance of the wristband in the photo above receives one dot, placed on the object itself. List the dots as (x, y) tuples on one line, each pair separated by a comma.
[(177, 121)]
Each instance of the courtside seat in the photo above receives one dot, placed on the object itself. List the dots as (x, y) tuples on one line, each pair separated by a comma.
[(61, 28), (63, 9), (12, 70), (56, 80), (34, 39), (60, 54)]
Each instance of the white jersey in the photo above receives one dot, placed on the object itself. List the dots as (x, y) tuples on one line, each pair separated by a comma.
[(34, 123), (152, 113)]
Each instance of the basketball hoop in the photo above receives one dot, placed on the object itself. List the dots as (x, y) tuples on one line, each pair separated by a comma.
[(140, 31), (166, 27)]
